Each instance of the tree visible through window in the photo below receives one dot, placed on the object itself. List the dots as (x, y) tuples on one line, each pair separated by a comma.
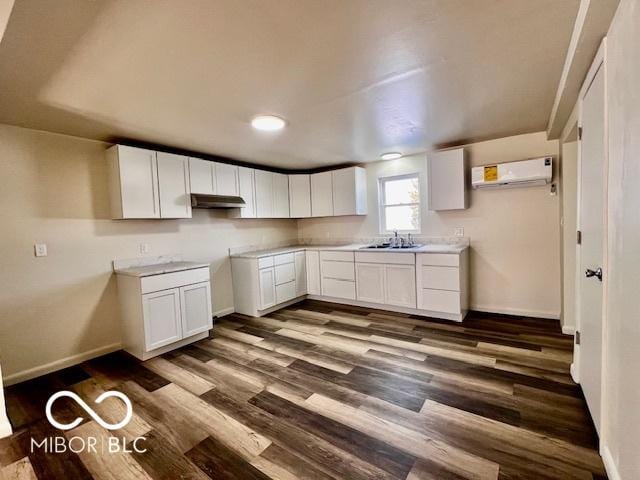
[(400, 204)]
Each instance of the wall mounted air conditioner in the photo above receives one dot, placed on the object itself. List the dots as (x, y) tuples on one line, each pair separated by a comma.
[(525, 173)]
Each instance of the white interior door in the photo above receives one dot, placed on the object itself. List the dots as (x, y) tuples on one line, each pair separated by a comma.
[(591, 223)]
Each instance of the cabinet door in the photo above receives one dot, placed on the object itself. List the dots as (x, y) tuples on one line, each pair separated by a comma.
[(162, 323), (201, 176), (446, 178), (267, 283), (195, 306), (301, 273), (370, 282), (313, 272), (280, 195), (321, 195), (137, 183), (400, 285), (299, 196), (246, 182), (173, 185), (226, 179), (264, 194)]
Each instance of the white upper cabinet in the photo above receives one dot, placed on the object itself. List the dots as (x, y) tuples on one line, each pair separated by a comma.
[(202, 176), (321, 194), (247, 187), (226, 179), (446, 179), (264, 194), (280, 184), (173, 186), (133, 175), (300, 196), (349, 191)]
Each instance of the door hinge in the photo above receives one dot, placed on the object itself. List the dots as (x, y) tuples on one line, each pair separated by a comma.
[(579, 133), (578, 338), (579, 237)]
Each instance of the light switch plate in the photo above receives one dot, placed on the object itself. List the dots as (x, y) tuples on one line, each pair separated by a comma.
[(144, 249), (40, 249), (459, 232)]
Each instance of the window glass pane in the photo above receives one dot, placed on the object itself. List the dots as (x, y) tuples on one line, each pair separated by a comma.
[(402, 218), (404, 190)]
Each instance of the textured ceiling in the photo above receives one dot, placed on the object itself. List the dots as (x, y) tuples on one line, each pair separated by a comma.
[(353, 78)]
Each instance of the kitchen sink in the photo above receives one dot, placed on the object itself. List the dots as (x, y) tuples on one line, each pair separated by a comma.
[(389, 247)]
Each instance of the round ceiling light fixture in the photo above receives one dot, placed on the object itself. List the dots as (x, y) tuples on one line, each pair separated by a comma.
[(268, 123), (390, 155)]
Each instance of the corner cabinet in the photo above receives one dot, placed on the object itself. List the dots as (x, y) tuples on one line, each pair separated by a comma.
[(349, 187), (322, 194), (163, 312), (446, 176)]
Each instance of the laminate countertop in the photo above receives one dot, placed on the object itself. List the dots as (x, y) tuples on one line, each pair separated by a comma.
[(428, 248), (160, 268)]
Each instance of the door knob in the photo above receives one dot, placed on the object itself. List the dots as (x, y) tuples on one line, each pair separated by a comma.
[(594, 273)]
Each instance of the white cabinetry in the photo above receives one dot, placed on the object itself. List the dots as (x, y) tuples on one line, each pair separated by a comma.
[(133, 178), (280, 184), (301, 273), (264, 194), (267, 281), (247, 190), (370, 282), (173, 186), (321, 194), (202, 176), (446, 174), (165, 311), (226, 179), (313, 272), (442, 282), (338, 274), (300, 196), (349, 187), (386, 277)]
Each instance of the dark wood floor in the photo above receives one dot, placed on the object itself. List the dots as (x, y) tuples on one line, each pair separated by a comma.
[(319, 391)]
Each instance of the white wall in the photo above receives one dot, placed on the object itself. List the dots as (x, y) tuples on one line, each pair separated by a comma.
[(54, 190), (621, 414), (515, 233)]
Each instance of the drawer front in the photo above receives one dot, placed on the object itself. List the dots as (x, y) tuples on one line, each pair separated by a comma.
[(283, 258), (165, 281), (285, 273), (439, 259), (336, 256), (286, 291), (265, 262), (386, 257), (439, 301), (338, 270), (441, 278), (338, 288)]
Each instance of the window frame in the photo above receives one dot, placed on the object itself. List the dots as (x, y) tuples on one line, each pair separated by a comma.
[(382, 205)]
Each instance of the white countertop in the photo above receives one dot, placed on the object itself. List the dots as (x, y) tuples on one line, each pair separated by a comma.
[(429, 248), (159, 268)]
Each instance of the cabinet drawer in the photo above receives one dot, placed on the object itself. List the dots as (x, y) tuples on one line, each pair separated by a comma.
[(441, 278), (165, 281), (285, 292), (265, 262), (283, 258), (439, 259), (285, 273), (439, 301), (338, 288), (337, 256), (338, 270), (386, 257)]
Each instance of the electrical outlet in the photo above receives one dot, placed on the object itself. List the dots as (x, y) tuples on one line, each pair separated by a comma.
[(144, 249), (459, 232), (40, 249)]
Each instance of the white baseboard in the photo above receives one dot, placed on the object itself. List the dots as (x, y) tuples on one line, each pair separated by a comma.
[(5, 427), (60, 364), (609, 464), (574, 373), (223, 312), (568, 330), (516, 311)]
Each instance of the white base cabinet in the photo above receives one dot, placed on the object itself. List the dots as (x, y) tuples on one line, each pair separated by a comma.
[(163, 312), (381, 281)]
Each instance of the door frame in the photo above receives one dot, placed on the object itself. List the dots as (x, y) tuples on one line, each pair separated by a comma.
[(599, 61)]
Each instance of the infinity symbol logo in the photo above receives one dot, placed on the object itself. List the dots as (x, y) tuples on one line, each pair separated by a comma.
[(89, 410)]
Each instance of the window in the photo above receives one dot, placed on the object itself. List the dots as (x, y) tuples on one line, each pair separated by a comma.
[(400, 204)]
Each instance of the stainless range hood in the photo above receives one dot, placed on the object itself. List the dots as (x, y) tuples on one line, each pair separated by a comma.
[(200, 200)]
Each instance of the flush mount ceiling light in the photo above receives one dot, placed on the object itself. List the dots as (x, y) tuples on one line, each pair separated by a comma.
[(390, 155), (267, 123)]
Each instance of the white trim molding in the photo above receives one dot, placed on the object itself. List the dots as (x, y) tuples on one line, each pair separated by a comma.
[(568, 330), (223, 312), (609, 464), (517, 312)]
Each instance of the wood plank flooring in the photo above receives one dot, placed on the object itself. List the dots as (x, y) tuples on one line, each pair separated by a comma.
[(326, 391)]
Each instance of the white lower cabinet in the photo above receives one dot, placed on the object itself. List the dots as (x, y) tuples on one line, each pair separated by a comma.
[(386, 284), (267, 281), (370, 282), (301, 273), (313, 272), (166, 311)]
